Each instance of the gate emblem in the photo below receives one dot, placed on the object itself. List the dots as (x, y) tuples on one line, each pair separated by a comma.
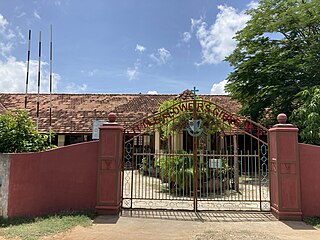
[(194, 128)]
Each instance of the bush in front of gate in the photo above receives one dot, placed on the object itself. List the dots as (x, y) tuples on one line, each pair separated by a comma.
[(178, 171)]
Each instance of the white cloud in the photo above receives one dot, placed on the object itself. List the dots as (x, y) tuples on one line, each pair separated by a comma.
[(162, 56), (36, 15), (253, 4), (5, 49), (153, 57), (13, 76), (22, 14), (152, 92), (3, 22), (75, 88), (9, 34), (13, 71), (140, 48), (93, 72), (195, 23), (186, 37), (132, 73), (218, 88), (57, 3), (22, 38), (5, 32), (8, 37), (217, 40)]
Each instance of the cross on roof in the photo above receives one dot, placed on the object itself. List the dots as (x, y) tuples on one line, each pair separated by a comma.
[(194, 91)]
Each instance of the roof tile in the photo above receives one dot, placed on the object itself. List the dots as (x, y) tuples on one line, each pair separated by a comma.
[(74, 113)]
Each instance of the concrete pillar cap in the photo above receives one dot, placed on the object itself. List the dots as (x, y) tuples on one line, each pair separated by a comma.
[(112, 117), (282, 118)]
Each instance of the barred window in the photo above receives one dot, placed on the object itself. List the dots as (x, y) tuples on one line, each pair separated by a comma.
[(138, 140)]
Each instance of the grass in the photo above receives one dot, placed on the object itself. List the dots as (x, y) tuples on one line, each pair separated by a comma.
[(35, 228), (314, 221)]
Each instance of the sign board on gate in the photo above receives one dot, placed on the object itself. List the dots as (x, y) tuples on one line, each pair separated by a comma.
[(95, 128), (215, 163)]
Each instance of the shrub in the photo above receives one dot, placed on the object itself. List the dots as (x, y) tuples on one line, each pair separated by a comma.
[(18, 134)]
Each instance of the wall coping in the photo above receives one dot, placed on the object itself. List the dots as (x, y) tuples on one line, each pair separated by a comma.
[(283, 129), (309, 145), (55, 149)]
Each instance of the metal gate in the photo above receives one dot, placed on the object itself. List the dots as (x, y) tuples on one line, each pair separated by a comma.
[(195, 155)]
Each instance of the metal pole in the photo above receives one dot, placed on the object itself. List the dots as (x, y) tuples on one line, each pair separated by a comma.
[(195, 163), (39, 69), (50, 119), (195, 157), (27, 77)]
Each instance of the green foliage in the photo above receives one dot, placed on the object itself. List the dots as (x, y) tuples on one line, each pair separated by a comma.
[(307, 115), (276, 57), (313, 221), (177, 170), (18, 134), (148, 166), (36, 228), (169, 126)]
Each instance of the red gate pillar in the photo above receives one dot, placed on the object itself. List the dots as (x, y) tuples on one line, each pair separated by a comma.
[(285, 171), (109, 167)]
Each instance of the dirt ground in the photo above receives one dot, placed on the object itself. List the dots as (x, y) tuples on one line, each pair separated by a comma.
[(144, 225)]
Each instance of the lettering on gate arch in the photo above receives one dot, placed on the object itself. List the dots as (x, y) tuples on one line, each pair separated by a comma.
[(200, 107)]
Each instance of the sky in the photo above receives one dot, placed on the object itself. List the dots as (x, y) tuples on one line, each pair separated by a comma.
[(120, 46)]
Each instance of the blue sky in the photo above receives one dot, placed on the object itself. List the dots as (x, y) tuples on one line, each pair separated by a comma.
[(120, 46)]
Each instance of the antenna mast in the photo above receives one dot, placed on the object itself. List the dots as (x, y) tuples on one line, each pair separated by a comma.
[(39, 69), (50, 119), (27, 77)]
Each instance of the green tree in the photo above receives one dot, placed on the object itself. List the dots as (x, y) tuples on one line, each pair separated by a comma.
[(18, 134), (276, 57), (307, 115)]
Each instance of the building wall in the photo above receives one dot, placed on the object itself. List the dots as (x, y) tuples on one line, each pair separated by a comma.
[(310, 179), (60, 179), (4, 180), (61, 140)]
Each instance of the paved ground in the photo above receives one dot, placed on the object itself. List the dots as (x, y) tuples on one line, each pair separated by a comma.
[(144, 225)]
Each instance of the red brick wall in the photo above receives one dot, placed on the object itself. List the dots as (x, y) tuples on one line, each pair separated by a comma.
[(310, 179), (60, 179)]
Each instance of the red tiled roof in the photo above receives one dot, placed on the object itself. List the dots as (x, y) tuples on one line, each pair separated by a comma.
[(74, 113), (2, 108)]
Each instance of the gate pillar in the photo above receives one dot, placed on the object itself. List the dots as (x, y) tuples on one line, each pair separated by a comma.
[(109, 167), (285, 171)]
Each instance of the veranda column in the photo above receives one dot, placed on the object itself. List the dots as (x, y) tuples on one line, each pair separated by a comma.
[(285, 171), (109, 167)]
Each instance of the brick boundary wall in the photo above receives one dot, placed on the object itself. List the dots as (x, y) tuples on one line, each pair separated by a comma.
[(310, 179), (4, 188), (61, 179), (294, 173)]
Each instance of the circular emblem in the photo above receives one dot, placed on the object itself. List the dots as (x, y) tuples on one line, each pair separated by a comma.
[(194, 128)]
